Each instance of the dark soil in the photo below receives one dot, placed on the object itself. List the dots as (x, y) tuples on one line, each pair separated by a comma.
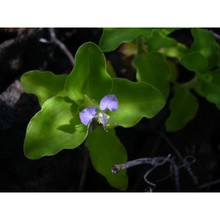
[(22, 50)]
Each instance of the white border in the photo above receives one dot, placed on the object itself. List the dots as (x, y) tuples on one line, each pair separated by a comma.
[(96, 13), (109, 206), (114, 13)]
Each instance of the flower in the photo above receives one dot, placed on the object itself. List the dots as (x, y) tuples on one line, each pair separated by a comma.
[(108, 102), (87, 114)]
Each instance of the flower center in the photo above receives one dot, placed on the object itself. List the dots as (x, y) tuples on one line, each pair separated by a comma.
[(102, 118)]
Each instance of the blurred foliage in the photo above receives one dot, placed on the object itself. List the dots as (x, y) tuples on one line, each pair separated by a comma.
[(158, 63)]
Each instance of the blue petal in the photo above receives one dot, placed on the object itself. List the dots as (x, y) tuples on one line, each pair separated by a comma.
[(87, 114), (109, 102)]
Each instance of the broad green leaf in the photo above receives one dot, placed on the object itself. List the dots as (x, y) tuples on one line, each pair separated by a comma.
[(55, 127), (89, 76), (204, 42), (43, 84), (136, 100), (158, 40), (152, 69), (106, 150), (195, 61), (183, 108), (112, 37), (210, 89)]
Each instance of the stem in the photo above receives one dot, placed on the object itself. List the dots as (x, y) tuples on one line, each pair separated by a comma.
[(190, 84), (85, 163), (140, 45), (84, 169)]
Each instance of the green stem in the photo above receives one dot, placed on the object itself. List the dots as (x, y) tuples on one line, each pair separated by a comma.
[(141, 45), (190, 84)]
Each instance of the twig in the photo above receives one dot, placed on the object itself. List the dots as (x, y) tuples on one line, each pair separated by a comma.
[(60, 44), (156, 161), (205, 185), (184, 161), (147, 181), (176, 174)]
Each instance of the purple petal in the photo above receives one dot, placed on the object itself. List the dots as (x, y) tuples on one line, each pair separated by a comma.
[(109, 102), (87, 114)]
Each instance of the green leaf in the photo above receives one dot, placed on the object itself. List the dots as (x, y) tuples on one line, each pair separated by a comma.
[(110, 69), (175, 51), (173, 69), (112, 37), (129, 49), (158, 40), (168, 31), (89, 76), (210, 88), (152, 69), (136, 100), (204, 42), (207, 77), (105, 150), (195, 61), (183, 108), (43, 84), (55, 127)]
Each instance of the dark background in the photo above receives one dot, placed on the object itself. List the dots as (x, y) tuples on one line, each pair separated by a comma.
[(22, 50)]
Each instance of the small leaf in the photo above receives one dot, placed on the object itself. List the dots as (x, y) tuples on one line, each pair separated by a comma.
[(128, 49), (105, 150), (175, 51), (210, 87), (168, 31), (55, 127), (204, 42), (158, 40), (195, 61), (136, 100), (206, 77), (183, 108), (152, 69), (89, 76), (112, 37), (43, 84)]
